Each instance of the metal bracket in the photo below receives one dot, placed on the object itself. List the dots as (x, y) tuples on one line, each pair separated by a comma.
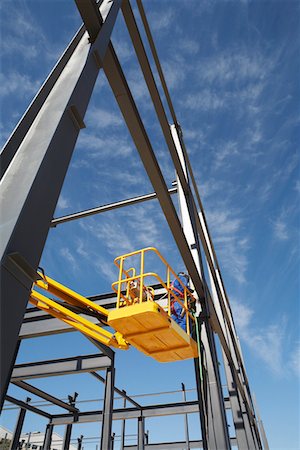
[(17, 265)]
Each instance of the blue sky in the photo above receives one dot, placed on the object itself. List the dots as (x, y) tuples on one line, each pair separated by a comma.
[(232, 68)]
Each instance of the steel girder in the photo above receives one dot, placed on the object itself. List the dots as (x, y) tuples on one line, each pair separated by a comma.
[(55, 124)]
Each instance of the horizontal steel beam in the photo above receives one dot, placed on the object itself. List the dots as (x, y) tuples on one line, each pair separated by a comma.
[(34, 390), (38, 323), (67, 366), (105, 208), (173, 445), (27, 406), (132, 413)]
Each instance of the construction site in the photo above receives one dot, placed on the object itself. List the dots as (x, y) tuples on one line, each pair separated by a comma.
[(167, 307)]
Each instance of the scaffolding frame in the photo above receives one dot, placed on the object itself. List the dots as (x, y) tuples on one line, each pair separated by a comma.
[(54, 120)]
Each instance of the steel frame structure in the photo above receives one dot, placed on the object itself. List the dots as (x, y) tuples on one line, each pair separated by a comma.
[(54, 120)]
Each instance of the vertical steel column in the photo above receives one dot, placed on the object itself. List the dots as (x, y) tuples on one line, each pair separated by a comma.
[(186, 423), (261, 426), (48, 437), (123, 427), (68, 430), (30, 177), (141, 433), (217, 430), (108, 408), (19, 426), (67, 437), (79, 442)]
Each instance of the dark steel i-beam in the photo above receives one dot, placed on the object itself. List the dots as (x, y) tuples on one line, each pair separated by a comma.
[(34, 390), (27, 406), (56, 126)]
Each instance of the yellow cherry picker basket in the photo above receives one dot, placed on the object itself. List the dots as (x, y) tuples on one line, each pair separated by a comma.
[(140, 318)]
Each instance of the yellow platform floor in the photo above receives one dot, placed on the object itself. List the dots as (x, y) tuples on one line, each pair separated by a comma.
[(147, 327)]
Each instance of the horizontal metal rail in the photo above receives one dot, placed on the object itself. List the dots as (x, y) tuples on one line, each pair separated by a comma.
[(147, 411), (105, 208)]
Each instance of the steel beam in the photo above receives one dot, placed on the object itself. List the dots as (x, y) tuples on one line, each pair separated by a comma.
[(55, 126), (67, 437), (215, 431), (66, 366), (18, 430), (28, 407), (107, 414), (167, 409), (129, 18), (141, 433), (177, 445), (48, 437), (186, 423), (105, 208), (34, 390)]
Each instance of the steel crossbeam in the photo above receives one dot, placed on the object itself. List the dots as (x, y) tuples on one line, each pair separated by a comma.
[(50, 398), (66, 366), (176, 445)]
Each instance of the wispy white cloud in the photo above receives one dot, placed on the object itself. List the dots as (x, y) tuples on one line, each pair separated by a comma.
[(266, 343), (280, 229), (101, 147), (63, 202), (15, 82), (161, 20), (69, 257), (230, 241), (103, 118), (205, 100)]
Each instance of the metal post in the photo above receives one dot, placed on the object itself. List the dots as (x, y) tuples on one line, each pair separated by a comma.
[(48, 437), (186, 423), (19, 426), (29, 177), (141, 433), (108, 409), (79, 442), (68, 430), (123, 427), (67, 437), (214, 431)]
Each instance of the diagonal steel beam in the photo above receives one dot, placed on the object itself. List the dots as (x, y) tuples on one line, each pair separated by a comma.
[(27, 406), (28, 177), (36, 391)]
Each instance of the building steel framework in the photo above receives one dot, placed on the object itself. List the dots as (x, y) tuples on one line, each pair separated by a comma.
[(52, 122)]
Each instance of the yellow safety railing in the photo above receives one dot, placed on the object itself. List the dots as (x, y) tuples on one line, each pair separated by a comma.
[(62, 312), (144, 293)]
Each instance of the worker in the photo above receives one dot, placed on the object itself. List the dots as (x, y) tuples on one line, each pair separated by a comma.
[(177, 311)]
